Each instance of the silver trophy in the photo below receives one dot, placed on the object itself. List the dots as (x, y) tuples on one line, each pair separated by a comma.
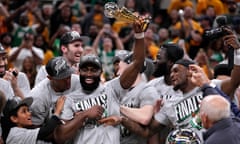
[(112, 10)]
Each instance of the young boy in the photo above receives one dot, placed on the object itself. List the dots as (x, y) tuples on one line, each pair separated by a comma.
[(17, 122)]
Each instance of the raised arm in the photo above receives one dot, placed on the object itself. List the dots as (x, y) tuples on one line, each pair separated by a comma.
[(229, 86), (129, 76)]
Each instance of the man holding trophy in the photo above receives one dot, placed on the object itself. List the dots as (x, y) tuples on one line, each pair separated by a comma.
[(85, 108)]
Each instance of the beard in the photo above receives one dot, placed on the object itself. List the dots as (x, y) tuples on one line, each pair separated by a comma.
[(177, 87), (2, 74), (89, 87), (160, 70)]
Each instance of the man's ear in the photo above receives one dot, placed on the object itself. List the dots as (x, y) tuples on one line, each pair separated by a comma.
[(63, 49), (14, 119)]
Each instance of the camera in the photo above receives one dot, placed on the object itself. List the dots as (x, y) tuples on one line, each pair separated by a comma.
[(215, 33), (220, 23), (14, 73)]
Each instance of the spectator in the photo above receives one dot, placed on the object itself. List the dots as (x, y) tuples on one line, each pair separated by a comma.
[(17, 120), (179, 4), (94, 17), (151, 46), (215, 114), (19, 29), (104, 46), (190, 30), (40, 42), (18, 54), (29, 68), (61, 16), (203, 4), (18, 80)]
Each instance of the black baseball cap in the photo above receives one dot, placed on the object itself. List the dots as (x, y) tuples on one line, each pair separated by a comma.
[(13, 104), (58, 68), (2, 50), (120, 56), (70, 37), (90, 59), (174, 52)]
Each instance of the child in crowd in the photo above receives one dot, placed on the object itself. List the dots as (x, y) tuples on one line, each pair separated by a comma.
[(17, 123)]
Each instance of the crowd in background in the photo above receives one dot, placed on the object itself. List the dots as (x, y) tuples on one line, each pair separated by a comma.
[(32, 33), (178, 21)]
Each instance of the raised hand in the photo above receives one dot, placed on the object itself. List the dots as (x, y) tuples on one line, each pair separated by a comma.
[(59, 105), (199, 78)]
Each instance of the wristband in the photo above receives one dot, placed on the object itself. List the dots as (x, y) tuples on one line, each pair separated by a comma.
[(139, 35), (237, 56)]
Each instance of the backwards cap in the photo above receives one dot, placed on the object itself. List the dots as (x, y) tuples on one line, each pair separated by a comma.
[(14, 104)]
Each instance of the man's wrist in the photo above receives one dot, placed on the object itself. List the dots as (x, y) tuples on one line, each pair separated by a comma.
[(139, 35), (237, 56), (123, 119)]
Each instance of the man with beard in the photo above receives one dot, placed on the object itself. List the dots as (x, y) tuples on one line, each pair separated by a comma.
[(103, 97), (167, 56), (71, 48), (18, 80), (178, 111), (6, 40)]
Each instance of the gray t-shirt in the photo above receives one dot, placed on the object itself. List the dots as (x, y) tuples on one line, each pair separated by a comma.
[(6, 88), (108, 97), (41, 75), (44, 99), (19, 135), (23, 83), (22, 136), (178, 112), (139, 96)]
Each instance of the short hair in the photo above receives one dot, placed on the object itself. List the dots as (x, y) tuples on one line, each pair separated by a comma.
[(215, 107)]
